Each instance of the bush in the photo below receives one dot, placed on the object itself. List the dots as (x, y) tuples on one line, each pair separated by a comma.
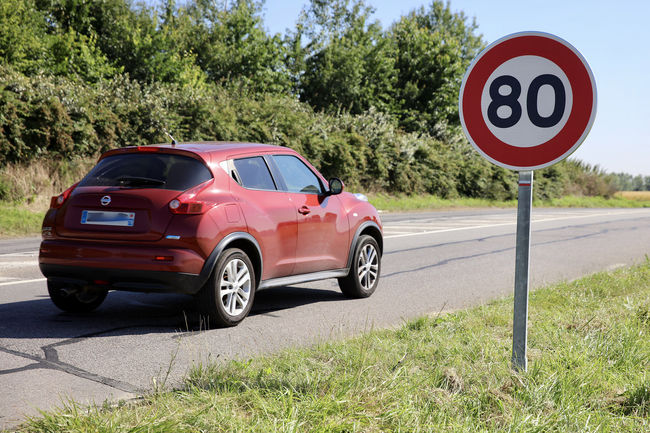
[(62, 120)]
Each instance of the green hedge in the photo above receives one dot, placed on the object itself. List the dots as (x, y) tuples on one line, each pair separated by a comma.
[(46, 117)]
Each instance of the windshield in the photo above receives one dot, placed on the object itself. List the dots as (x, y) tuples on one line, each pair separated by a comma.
[(137, 170)]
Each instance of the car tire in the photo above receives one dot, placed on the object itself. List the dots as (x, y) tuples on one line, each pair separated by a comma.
[(363, 278), (75, 299), (227, 297)]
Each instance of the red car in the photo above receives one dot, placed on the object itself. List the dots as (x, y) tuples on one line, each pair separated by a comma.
[(217, 220)]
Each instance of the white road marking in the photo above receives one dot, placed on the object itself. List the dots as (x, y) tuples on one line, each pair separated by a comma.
[(18, 264), (11, 283), (535, 219), (23, 254), (423, 227), (455, 229)]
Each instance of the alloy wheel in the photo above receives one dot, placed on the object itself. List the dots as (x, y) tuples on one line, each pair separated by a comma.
[(367, 266), (235, 287)]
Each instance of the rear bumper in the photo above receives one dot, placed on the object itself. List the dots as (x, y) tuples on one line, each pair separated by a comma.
[(122, 267), (124, 279)]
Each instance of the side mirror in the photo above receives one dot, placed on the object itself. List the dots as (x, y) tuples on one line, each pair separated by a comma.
[(336, 186)]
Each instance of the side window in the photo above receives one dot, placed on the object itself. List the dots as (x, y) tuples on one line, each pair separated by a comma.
[(298, 177), (254, 174)]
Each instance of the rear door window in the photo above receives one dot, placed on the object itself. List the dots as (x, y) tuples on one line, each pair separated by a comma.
[(136, 170), (253, 173), (297, 176)]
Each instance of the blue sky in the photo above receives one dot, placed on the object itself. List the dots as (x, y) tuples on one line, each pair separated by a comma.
[(611, 35)]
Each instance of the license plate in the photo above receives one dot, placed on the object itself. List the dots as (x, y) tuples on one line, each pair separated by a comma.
[(102, 218)]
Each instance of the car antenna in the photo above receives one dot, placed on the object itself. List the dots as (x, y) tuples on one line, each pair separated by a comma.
[(170, 136)]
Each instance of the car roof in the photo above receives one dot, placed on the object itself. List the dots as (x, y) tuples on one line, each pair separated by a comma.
[(217, 148), (207, 150)]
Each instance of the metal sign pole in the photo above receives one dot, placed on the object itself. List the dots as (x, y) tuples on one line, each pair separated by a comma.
[(522, 266)]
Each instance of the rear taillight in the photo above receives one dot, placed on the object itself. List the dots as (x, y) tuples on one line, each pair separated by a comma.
[(188, 207), (58, 200), (188, 204)]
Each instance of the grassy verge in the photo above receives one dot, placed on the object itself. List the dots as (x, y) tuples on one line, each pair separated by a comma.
[(423, 202), (589, 370), (19, 220), (403, 203)]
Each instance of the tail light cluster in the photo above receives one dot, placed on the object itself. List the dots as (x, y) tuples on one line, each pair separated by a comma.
[(185, 204), (58, 200), (188, 204)]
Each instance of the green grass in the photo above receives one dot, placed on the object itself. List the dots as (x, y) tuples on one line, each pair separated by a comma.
[(17, 220), (423, 202), (589, 371)]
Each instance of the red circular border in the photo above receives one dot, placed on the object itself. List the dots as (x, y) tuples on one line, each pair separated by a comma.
[(570, 135)]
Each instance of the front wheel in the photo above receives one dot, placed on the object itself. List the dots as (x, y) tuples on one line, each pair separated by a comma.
[(227, 297), (363, 278), (75, 299)]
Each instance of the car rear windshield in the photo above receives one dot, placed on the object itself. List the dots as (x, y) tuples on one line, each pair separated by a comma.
[(137, 170)]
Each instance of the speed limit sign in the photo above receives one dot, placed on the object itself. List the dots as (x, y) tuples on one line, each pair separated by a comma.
[(527, 101)]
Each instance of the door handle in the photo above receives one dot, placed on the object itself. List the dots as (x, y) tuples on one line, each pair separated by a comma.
[(304, 210)]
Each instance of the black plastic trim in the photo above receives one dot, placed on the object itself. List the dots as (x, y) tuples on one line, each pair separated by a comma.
[(134, 280), (360, 229), (275, 172), (303, 278)]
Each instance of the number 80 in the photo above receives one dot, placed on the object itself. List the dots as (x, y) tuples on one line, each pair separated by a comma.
[(511, 100)]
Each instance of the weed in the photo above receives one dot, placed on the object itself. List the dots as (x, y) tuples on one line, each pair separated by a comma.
[(638, 401)]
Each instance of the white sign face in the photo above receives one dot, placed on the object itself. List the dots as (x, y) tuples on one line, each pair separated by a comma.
[(527, 101), (550, 99)]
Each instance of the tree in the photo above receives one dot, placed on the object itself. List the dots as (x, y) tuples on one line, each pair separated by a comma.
[(73, 41), (345, 62), (112, 23), (160, 49), (433, 49), (34, 41), (22, 35), (230, 44)]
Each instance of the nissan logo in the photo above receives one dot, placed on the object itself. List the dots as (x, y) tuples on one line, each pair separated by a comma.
[(106, 200)]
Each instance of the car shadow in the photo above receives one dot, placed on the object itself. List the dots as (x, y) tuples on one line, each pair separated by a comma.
[(125, 313)]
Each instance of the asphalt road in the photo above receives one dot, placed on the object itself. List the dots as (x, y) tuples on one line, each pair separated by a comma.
[(432, 262)]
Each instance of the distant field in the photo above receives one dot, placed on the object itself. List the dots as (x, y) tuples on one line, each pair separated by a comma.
[(634, 195)]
